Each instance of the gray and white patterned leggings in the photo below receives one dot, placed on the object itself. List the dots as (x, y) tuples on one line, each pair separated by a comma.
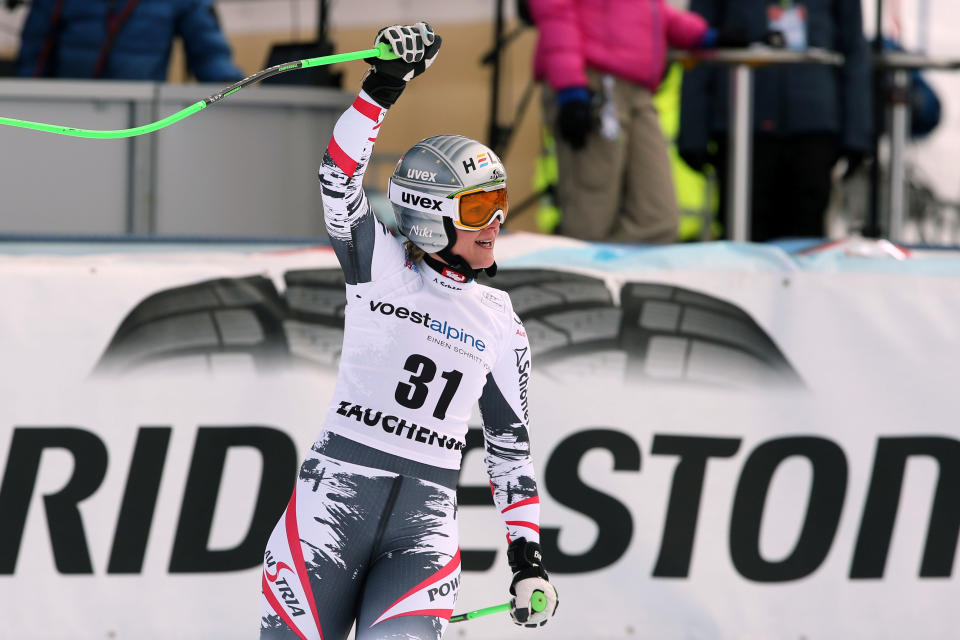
[(367, 537)]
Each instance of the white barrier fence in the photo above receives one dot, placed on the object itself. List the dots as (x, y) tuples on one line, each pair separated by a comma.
[(730, 443)]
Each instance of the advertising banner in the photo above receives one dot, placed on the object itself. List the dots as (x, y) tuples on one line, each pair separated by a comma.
[(730, 441)]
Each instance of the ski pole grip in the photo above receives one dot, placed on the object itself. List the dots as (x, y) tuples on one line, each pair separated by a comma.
[(538, 601), (385, 52)]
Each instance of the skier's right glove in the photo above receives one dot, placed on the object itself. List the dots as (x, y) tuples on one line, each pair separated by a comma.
[(529, 579), (575, 118), (416, 46)]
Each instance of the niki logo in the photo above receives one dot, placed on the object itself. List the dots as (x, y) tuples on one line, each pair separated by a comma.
[(422, 202), (423, 232), (425, 176)]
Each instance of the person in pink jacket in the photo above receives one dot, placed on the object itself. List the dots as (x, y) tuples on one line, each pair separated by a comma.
[(602, 60)]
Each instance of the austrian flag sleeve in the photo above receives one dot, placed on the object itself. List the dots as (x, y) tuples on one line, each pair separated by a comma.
[(505, 412)]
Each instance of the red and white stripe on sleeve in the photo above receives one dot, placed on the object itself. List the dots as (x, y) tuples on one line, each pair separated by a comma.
[(355, 133), (522, 519), (341, 173)]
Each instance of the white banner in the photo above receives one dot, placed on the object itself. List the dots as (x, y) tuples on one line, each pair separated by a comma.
[(731, 442)]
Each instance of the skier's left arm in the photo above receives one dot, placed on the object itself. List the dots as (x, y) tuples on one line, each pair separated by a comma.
[(504, 408)]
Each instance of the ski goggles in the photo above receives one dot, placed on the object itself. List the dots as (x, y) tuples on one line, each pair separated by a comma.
[(471, 209)]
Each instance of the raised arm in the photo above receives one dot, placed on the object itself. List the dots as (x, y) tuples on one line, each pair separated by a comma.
[(354, 231), (505, 412)]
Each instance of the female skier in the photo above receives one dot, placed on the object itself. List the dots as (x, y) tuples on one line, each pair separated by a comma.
[(370, 534)]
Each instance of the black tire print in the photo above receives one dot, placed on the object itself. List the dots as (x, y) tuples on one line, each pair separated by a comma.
[(576, 325)]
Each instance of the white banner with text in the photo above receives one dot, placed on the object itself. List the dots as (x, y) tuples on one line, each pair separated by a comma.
[(731, 442)]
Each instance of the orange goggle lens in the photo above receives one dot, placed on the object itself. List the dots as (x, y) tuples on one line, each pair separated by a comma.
[(477, 208)]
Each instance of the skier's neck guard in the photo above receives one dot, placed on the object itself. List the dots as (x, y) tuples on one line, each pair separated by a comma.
[(456, 267), (457, 272)]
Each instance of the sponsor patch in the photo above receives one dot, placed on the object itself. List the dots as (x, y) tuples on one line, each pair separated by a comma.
[(478, 161), (523, 377), (492, 300), (453, 275), (423, 176), (450, 332), (421, 202), (398, 426)]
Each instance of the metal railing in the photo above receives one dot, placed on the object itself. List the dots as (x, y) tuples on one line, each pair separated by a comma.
[(900, 64), (248, 166), (742, 63)]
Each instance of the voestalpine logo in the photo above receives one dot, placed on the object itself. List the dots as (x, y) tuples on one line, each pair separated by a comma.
[(450, 332)]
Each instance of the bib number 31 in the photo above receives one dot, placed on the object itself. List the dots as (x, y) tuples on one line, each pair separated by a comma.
[(413, 393)]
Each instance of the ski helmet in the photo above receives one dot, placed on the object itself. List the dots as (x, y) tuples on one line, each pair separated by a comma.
[(428, 182)]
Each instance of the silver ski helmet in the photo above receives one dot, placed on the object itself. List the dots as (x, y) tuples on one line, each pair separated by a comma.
[(427, 180)]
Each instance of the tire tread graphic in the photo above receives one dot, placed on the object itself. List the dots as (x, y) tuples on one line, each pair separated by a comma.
[(576, 324)]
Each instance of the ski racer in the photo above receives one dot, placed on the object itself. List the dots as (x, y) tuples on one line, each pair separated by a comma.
[(369, 536)]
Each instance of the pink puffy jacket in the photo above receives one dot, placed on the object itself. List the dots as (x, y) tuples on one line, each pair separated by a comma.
[(627, 38)]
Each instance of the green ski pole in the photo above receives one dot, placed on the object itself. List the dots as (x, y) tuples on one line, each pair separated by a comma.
[(382, 51), (538, 602)]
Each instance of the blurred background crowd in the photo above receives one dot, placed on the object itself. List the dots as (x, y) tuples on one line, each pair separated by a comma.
[(615, 118)]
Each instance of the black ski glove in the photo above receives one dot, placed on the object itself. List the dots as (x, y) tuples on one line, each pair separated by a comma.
[(529, 579), (575, 118), (416, 46)]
